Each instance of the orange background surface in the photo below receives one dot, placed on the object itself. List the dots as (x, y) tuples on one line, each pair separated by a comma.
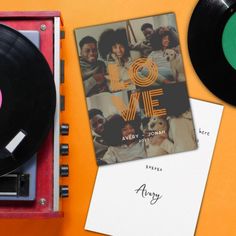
[(218, 212)]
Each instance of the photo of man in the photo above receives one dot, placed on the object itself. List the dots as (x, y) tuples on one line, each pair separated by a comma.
[(144, 47), (97, 123), (93, 70)]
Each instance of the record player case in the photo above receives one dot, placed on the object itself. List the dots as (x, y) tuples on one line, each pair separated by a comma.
[(47, 199)]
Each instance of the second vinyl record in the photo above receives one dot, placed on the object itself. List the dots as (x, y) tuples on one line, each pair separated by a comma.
[(208, 52), (27, 99)]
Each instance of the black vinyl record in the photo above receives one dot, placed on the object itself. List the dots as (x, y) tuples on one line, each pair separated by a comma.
[(27, 99), (205, 47)]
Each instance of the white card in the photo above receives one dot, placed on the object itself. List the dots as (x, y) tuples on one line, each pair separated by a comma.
[(159, 196)]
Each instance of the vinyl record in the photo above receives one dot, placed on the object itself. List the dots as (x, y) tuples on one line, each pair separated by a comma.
[(27, 99), (206, 29)]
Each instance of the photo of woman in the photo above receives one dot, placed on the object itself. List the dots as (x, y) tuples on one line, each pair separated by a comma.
[(113, 48), (162, 39)]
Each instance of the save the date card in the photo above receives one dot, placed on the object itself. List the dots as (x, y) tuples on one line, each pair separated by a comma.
[(135, 89)]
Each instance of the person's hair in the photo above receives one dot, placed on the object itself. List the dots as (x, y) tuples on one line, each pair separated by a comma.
[(157, 36), (94, 112), (111, 37), (146, 25), (113, 129), (87, 39), (179, 94)]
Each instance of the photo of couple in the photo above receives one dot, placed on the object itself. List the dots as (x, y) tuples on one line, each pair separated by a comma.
[(104, 49), (118, 140)]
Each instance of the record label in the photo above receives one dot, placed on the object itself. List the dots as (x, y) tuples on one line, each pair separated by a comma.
[(229, 41)]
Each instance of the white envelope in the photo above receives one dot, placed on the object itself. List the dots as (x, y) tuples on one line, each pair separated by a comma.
[(159, 196)]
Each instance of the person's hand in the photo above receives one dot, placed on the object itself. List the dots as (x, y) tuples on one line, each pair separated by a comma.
[(166, 81), (163, 29), (168, 28), (115, 58), (158, 139), (99, 77), (164, 135), (131, 46), (102, 88), (146, 45)]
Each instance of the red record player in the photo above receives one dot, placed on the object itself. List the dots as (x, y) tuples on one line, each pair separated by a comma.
[(34, 190)]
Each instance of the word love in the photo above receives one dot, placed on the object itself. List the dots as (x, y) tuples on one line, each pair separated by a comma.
[(149, 97), (146, 194)]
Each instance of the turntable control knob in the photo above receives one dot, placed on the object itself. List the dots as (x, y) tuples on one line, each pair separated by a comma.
[(64, 129), (64, 170), (62, 34), (64, 149), (64, 191)]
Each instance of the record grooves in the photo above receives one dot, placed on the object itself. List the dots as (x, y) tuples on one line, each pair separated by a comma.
[(205, 47), (27, 99)]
